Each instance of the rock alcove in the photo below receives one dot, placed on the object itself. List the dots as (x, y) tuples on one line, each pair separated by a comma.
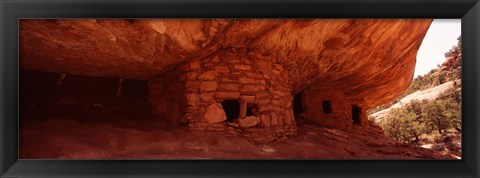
[(255, 78)]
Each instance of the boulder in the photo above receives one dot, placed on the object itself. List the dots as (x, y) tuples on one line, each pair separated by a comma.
[(249, 121), (215, 113)]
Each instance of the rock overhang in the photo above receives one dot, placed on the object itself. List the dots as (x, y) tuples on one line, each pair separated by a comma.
[(370, 60)]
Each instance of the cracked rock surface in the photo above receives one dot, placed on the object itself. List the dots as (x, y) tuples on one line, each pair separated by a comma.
[(369, 59)]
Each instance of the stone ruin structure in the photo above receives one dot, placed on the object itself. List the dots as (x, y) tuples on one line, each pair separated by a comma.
[(216, 91), (251, 78)]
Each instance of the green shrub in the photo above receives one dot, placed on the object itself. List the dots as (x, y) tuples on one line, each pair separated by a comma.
[(403, 126)]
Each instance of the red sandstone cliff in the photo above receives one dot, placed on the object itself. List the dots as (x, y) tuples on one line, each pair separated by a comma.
[(194, 65), (371, 60)]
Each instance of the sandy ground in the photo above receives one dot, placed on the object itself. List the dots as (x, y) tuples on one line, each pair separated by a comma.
[(106, 133)]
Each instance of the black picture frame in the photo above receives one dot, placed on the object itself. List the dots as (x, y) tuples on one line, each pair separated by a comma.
[(11, 11)]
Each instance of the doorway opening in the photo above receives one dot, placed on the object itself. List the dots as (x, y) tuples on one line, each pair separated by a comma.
[(250, 110), (297, 104), (356, 114), (232, 109), (327, 106)]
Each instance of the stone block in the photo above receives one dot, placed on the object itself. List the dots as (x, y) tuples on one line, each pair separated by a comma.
[(208, 86), (233, 124), (207, 97), (254, 75), (215, 113), (265, 120), (243, 107), (263, 101), (222, 69), (248, 99), (282, 93), (246, 80), (191, 90), (261, 82), (281, 88), (263, 65), (227, 95), (241, 67), (280, 119), (194, 65), (267, 76), (192, 75), (288, 118), (273, 118), (224, 79), (208, 75), (247, 122), (229, 87), (262, 96), (249, 88), (261, 88)]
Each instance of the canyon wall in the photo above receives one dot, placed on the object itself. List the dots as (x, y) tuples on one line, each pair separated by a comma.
[(368, 59), (238, 76)]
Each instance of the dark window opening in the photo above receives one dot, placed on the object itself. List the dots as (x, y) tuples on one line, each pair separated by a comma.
[(356, 114), (297, 104), (327, 106), (250, 110), (232, 109)]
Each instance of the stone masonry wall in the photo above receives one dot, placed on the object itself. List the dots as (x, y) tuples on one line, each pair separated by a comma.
[(341, 107), (239, 76), (341, 110)]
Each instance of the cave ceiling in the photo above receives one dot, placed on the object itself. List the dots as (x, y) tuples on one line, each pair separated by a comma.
[(369, 60)]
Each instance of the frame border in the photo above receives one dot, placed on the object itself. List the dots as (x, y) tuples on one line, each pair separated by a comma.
[(11, 11)]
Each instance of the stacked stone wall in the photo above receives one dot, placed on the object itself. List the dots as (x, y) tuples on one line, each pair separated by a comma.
[(233, 76)]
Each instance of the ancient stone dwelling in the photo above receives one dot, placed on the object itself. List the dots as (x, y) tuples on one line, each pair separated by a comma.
[(251, 78), (234, 91), (228, 87)]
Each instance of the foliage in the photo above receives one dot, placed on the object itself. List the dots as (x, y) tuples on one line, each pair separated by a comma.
[(457, 49), (432, 122), (436, 115), (408, 122), (403, 125)]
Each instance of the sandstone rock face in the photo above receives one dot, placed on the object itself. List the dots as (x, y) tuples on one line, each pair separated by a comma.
[(370, 60), (215, 113)]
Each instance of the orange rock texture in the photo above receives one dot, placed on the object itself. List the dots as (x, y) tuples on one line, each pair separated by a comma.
[(370, 61)]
